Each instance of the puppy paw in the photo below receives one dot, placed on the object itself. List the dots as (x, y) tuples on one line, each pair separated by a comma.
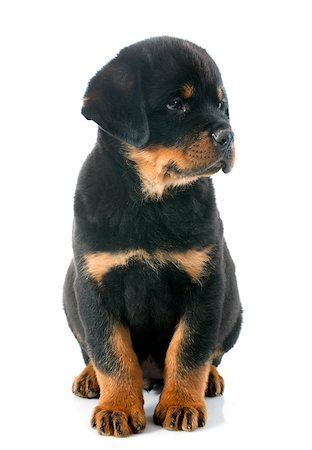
[(187, 417), (215, 385), (85, 384), (112, 421)]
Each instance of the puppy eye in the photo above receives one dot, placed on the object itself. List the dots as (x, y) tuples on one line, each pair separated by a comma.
[(221, 105), (176, 104)]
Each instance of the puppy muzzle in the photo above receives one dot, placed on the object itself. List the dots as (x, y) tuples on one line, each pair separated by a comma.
[(223, 139)]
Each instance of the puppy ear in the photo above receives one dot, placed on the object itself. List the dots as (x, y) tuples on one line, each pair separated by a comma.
[(114, 101)]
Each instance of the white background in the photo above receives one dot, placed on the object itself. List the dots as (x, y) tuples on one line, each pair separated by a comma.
[(49, 50)]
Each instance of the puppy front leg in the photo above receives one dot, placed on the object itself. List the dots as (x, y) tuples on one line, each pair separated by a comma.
[(120, 408), (182, 401), (108, 342)]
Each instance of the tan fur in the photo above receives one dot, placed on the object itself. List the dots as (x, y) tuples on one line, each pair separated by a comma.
[(220, 93), (216, 354), (191, 383), (215, 384), (233, 156), (121, 392), (153, 164), (187, 91), (184, 389), (96, 265), (202, 152), (114, 387), (193, 262), (85, 384)]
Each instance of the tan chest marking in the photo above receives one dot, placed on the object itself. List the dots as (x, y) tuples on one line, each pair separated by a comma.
[(193, 262)]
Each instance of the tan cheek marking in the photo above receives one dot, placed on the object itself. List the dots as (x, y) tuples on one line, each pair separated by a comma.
[(156, 158), (152, 163), (187, 91), (202, 151), (193, 262)]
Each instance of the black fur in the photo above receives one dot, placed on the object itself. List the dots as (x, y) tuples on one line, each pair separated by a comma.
[(128, 99)]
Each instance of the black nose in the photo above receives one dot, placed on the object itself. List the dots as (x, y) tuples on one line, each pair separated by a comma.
[(223, 138)]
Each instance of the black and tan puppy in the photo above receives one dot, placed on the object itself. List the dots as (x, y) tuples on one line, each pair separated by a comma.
[(151, 292)]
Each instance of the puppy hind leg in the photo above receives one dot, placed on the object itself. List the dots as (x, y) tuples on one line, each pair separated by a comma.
[(85, 384), (215, 385)]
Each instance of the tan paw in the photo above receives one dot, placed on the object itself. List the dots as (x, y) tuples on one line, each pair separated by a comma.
[(215, 385), (118, 422), (176, 417), (85, 384)]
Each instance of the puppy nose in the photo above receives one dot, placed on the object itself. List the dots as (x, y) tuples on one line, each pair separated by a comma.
[(223, 138)]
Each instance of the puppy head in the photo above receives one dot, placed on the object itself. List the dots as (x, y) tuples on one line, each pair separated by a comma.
[(164, 99)]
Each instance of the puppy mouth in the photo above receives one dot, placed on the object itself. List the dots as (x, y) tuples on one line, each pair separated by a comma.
[(200, 171), (226, 167)]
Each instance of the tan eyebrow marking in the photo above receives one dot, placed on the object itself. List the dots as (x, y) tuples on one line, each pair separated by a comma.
[(187, 90), (220, 93)]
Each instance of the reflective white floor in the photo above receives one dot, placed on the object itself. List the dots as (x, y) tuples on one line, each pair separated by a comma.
[(263, 407)]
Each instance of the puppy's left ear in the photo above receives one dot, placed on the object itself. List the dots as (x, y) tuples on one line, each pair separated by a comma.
[(114, 101)]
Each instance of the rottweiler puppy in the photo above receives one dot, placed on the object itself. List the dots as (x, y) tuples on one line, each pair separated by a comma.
[(151, 292)]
